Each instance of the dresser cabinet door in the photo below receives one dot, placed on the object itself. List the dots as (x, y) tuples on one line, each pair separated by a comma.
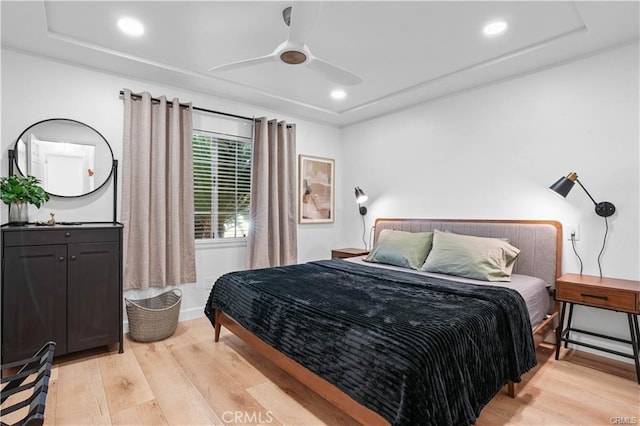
[(34, 294), (93, 295)]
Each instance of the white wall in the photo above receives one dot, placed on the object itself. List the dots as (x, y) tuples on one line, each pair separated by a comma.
[(34, 89), (492, 152)]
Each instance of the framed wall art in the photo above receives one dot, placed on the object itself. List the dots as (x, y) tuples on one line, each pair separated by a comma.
[(316, 189)]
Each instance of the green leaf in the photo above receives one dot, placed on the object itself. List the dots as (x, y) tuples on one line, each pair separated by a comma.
[(22, 188)]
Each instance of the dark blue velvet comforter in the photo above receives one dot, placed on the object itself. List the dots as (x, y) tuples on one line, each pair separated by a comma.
[(415, 350)]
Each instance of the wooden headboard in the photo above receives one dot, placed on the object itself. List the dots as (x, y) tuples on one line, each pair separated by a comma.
[(539, 241)]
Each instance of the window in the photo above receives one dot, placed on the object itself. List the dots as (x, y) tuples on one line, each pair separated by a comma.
[(222, 185)]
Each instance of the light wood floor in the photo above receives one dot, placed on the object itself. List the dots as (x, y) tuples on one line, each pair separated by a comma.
[(188, 379)]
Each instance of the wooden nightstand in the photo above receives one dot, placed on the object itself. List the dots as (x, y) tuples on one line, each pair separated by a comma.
[(343, 253), (605, 293)]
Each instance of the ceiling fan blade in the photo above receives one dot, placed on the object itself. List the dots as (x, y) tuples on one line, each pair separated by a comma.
[(245, 63), (334, 73), (304, 15)]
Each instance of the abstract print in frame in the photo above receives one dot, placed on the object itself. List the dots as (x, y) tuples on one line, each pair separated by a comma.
[(316, 188)]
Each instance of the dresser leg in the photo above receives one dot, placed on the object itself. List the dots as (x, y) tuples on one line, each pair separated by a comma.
[(635, 335)]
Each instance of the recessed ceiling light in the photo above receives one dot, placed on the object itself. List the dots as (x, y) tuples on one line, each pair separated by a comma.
[(131, 26), (495, 28), (338, 94)]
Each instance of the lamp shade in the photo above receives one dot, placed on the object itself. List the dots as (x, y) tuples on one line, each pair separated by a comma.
[(564, 184), (361, 197)]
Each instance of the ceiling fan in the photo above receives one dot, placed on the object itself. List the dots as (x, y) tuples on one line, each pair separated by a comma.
[(301, 17)]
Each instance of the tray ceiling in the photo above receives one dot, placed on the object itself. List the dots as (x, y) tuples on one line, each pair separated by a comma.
[(405, 52)]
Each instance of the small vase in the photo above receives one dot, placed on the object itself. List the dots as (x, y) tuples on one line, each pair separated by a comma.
[(18, 214)]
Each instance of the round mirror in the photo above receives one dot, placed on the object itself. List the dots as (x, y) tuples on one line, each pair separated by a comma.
[(70, 158)]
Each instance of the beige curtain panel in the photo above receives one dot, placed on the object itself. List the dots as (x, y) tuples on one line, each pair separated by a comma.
[(273, 237), (157, 193)]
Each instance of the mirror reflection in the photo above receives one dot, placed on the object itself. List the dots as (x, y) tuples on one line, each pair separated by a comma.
[(70, 158)]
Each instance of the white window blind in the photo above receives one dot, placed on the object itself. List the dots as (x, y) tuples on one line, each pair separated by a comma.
[(222, 184)]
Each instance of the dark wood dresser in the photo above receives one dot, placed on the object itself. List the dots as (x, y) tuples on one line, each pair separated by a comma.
[(61, 283)]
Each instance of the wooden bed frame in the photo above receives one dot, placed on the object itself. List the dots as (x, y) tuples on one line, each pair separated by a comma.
[(337, 397)]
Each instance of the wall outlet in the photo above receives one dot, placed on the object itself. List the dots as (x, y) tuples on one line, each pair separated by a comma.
[(572, 229)]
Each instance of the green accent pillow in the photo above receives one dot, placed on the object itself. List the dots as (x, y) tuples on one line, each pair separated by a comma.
[(400, 248), (487, 259)]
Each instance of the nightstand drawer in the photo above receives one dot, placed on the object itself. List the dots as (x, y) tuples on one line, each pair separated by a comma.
[(609, 298)]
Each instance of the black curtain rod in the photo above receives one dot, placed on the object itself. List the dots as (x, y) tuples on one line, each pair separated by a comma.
[(241, 117)]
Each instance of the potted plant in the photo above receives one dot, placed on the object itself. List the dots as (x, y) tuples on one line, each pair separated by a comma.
[(17, 192)]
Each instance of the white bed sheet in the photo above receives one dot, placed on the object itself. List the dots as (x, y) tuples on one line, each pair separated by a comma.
[(533, 290)]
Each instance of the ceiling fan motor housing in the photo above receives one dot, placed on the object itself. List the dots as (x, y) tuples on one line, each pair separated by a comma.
[(293, 57)]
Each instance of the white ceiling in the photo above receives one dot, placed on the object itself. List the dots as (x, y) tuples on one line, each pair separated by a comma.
[(405, 52)]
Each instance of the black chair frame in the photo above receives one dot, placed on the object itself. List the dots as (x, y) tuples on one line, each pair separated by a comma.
[(38, 365)]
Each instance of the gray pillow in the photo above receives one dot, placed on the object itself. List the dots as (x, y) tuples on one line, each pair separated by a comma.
[(400, 248), (488, 259)]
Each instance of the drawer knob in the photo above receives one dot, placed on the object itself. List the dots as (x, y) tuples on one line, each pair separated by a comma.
[(595, 296), (67, 234), (73, 257), (61, 259)]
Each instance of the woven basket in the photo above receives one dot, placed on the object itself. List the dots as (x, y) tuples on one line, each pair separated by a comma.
[(155, 318)]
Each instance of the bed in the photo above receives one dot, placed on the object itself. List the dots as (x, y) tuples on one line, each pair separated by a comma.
[(392, 346)]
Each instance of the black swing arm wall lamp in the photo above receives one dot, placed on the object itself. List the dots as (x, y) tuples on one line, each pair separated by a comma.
[(564, 185), (361, 197)]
